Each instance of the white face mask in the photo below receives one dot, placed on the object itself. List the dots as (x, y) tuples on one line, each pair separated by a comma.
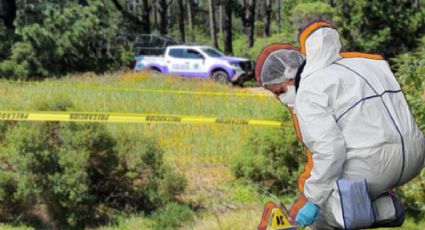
[(288, 98)]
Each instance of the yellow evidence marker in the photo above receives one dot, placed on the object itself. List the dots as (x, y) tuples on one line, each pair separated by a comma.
[(274, 219)]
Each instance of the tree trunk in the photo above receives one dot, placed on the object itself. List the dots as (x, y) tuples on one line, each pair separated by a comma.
[(227, 27), (248, 19), (129, 15), (190, 19), (278, 16), (169, 22), (213, 32), (267, 17), (221, 18), (155, 15), (161, 8), (8, 12), (181, 21), (146, 11)]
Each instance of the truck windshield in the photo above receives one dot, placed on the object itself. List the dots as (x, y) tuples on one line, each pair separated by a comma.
[(212, 52)]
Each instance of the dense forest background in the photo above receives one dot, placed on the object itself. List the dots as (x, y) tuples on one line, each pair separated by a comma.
[(40, 38)]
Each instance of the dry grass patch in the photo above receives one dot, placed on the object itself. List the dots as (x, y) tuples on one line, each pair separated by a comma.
[(236, 218)]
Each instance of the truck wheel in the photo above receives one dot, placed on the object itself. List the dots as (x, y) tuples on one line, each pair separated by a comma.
[(154, 72), (220, 76), (240, 81)]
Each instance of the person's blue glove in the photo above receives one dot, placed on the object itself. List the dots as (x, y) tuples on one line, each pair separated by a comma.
[(307, 214)]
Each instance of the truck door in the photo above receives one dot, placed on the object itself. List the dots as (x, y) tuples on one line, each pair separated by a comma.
[(175, 60), (197, 65)]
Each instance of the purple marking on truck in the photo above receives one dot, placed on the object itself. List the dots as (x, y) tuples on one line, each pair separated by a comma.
[(232, 59), (229, 71), (163, 69), (192, 74)]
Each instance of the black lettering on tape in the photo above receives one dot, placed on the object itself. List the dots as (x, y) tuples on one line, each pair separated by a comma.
[(13, 116), (89, 117), (231, 121), (163, 118)]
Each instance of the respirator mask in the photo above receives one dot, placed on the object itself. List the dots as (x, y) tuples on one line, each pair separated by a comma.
[(288, 98)]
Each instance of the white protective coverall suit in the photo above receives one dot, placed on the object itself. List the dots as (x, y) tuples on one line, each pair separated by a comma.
[(358, 126)]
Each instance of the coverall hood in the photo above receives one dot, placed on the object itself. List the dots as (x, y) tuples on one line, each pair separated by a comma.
[(320, 42)]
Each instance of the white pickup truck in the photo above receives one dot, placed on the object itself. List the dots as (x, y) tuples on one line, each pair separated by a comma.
[(197, 61)]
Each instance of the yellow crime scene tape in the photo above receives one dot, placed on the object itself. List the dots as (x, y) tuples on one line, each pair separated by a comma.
[(132, 118), (142, 90)]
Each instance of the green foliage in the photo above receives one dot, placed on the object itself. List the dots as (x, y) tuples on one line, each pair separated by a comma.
[(387, 27), (80, 174), (286, 12), (304, 13), (413, 197), (243, 192), (240, 44), (272, 159), (55, 41), (295, 16), (6, 41), (173, 215), (258, 29), (410, 72)]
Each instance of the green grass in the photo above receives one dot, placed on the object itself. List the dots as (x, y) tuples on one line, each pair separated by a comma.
[(202, 152), (25, 96), (193, 144)]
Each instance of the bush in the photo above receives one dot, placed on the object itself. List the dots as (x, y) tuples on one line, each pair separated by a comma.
[(6, 40), (69, 175), (304, 13), (376, 26), (240, 48), (410, 72), (172, 216), (271, 159), (81, 174), (57, 40), (413, 197)]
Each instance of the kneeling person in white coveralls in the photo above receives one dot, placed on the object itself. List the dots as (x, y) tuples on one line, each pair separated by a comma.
[(363, 139)]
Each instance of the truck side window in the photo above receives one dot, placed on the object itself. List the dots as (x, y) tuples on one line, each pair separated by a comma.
[(193, 54), (177, 53)]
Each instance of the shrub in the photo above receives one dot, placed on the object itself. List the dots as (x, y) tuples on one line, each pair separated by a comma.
[(172, 216), (6, 40), (57, 40), (259, 29), (410, 71), (377, 26), (81, 174), (69, 175), (240, 44), (413, 196), (304, 13), (272, 159)]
